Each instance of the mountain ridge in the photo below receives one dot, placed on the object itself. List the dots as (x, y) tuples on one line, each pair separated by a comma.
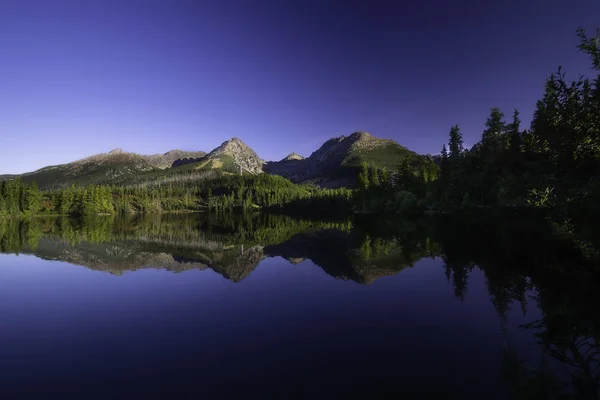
[(99, 168), (337, 161), (334, 164), (166, 160)]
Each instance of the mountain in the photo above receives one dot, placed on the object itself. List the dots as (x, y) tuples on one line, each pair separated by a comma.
[(103, 167), (97, 168), (337, 161), (119, 167), (7, 177), (229, 156), (240, 153), (293, 156), (174, 158)]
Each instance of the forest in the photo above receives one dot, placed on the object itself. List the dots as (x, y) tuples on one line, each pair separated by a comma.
[(553, 165), (223, 193)]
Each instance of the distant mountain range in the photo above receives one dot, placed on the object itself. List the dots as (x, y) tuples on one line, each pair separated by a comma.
[(104, 167), (334, 164)]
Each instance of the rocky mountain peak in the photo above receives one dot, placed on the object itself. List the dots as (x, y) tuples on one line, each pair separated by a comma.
[(118, 150), (233, 144), (293, 156), (242, 155), (360, 135)]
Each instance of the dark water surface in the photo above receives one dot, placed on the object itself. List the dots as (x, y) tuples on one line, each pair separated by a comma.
[(274, 307)]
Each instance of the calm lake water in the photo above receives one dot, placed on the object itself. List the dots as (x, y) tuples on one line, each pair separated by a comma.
[(261, 306)]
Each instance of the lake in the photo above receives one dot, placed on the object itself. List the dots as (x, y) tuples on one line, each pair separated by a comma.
[(190, 306)]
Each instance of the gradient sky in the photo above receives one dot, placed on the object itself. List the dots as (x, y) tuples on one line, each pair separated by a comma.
[(81, 77)]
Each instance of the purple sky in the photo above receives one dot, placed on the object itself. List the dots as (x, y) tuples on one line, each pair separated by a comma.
[(83, 77)]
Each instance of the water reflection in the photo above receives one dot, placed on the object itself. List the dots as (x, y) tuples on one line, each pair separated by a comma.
[(524, 264), (230, 245)]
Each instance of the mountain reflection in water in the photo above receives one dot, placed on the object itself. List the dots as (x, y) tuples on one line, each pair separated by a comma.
[(524, 267)]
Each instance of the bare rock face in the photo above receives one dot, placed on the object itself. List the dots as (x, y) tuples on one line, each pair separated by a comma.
[(241, 154)]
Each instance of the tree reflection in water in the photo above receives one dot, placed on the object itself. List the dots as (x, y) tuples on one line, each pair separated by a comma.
[(524, 261)]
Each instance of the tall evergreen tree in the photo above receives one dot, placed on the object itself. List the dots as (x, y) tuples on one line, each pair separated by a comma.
[(455, 144), (515, 133), (494, 129), (33, 199), (363, 177)]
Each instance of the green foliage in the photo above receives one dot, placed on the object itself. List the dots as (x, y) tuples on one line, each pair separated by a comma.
[(510, 167), (380, 156), (403, 202), (452, 169), (455, 144), (247, 192), (541, 198), (381, 192), (590, 46), (17, 198), (225, 192)]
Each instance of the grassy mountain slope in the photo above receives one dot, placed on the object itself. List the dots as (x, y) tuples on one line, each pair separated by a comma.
[(224, 162), (94, 169), (337, 161), (174, 158), (102, 168)]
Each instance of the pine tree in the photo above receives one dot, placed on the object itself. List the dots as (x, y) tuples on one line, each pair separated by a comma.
[(384, 177), (33, 199), (514, 132), (363, 177), (495, 127), (22, 194), (374, 177), (455, 144)]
